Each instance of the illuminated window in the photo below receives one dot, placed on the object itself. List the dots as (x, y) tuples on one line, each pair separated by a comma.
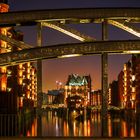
[(133, 97), (20, 73), (125, 89), (20, 101), (133, 105), (9, 89), (9, 72), (125, 99), (33, 97), (125, 92), (28, 70), (3, 69), (33, 87), (125, 79), (20, 81), (125, 83), (124, 67), (20, 66), (3, 83), (133, 89), (4, 31), (28, 64), (28, 76), (28, 87), (3, 44), (109, 96), (125, 74), (28, 94), (133, 77), (70, 87), (33, 72)]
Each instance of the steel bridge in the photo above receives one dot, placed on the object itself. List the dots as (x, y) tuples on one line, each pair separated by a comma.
[(124, 18)]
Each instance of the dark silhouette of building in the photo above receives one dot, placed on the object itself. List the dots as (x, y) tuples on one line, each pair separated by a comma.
[(55, 96), (113, 94), (4, 1)]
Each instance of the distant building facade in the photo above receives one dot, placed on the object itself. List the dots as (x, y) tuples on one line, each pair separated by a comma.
[(78, 91), (55, 96), (96, 98)]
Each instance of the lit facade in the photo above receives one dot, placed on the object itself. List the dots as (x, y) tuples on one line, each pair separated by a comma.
[(135, 78), (96, 98), (129, 93), (77, 91), (121, 89), (18, 83)]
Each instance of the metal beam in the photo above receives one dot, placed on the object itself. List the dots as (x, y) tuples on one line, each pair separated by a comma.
[(68, 31), (39, 62), (104, 59), (125, 27), (13, 42), (69, 14), (49, 52)]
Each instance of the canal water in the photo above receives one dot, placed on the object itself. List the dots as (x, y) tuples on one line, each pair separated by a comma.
[(53, 123)]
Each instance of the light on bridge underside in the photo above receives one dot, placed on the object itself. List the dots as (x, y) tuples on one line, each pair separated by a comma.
[(132, 52), (69, 55), (56, 27), (124, 27)]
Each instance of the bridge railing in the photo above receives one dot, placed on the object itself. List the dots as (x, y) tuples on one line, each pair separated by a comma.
[(16, 125)]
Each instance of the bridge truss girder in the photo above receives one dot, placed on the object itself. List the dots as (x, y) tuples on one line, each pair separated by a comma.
[(71, 15), (13, 42), (57, 51), (68, 31), (129, 28)]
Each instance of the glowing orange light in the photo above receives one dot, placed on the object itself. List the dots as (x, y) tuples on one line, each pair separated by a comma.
[(28, 70), (20, 81), (28, 64), (3, 69), (28, 76), (20, 73), (3, 83), (21, 102), (20, 66), (4, 8), (28, 95)]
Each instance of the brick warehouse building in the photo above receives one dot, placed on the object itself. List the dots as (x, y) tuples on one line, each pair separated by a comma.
[(17, 83), (129, 84)]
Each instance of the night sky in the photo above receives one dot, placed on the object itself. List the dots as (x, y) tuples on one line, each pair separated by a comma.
[(59, 69)]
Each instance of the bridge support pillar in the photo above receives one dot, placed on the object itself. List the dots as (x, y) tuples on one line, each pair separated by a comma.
[(39, 68), (104, 60)]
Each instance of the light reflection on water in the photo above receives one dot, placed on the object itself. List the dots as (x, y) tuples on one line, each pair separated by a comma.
[(51, 123)]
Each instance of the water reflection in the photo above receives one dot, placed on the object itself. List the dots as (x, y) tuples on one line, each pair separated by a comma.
[(54, 123)]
